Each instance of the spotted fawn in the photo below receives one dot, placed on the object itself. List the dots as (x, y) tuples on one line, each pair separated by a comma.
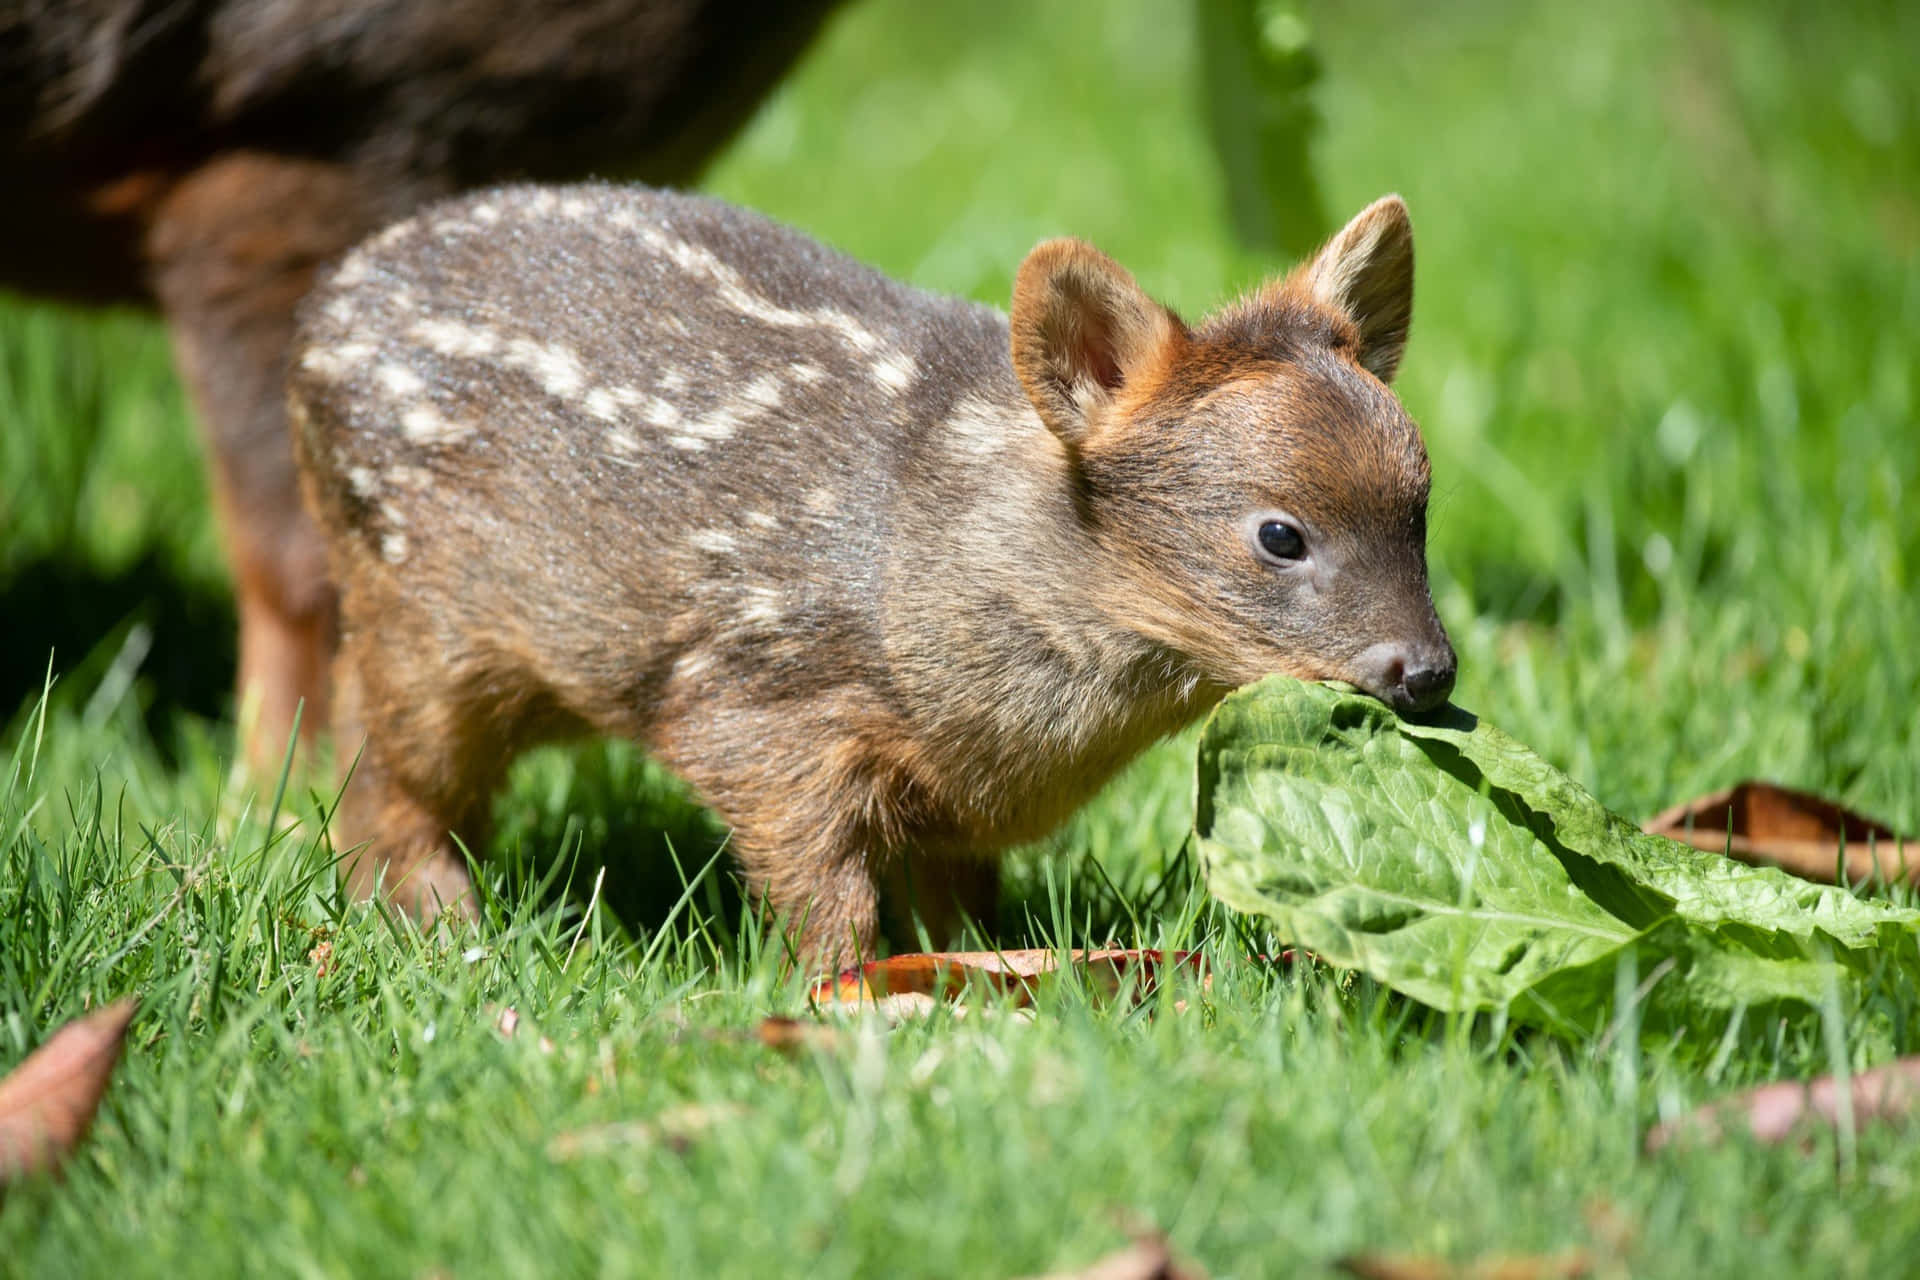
[(894, 580)]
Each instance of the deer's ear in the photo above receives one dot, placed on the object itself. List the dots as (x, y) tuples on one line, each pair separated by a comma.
[(1082, 329), (1366, 273)]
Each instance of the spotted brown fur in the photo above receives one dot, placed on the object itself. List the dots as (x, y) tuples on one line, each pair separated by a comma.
[(895, 581)]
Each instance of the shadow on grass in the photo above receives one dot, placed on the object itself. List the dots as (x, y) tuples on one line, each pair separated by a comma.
[(83, 617), (604, 813), (599, 812)]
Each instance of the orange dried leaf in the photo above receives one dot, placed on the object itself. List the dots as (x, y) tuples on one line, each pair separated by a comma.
[(1775, 1112), (1570, 1265), (48, 1101), (793, 1036), (918, 980), (1773, 826), (677, 1129), (1149, 1257)]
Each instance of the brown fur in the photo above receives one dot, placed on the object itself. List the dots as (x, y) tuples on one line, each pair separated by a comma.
[(208, 155), (894, 581)]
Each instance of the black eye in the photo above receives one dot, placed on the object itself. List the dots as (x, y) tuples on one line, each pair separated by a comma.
[(1282, 541)]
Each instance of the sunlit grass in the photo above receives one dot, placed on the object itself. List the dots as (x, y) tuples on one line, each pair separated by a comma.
[(1663, 356)]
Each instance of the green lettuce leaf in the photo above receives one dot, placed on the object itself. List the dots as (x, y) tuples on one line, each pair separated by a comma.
[(1449, 862)]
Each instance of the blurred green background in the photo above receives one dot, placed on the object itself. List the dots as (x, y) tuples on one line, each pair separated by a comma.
[(1663, 347)]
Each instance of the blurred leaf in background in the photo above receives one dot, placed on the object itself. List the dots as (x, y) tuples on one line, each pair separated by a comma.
[(1257, 72)]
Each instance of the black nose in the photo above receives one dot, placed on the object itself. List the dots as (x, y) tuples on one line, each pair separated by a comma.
[(1416, 677), (1428, 685)]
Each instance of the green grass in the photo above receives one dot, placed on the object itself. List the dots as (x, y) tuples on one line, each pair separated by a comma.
[(1663, 353)]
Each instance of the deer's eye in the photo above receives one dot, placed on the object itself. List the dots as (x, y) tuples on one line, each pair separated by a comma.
[(1281, 540)]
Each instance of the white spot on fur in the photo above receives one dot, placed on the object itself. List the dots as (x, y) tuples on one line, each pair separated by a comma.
[(661, 413), (623, 442), (763, 392), (352, 271), (601, 404), (715, 541), (391, 236), (409, 477), (424, 424), (672, 380), (362, 482), (806, 374), (393, 546), (761, 520), (486, 212), (341, 312), (737, 294), (555, 367), (608, 403), (761, 607), (398, 380), (894, 371), (978, 426), (455, 339), (575, 207), (692, 665), (692, 444), (856, 334), (337, 362), (716, 424)]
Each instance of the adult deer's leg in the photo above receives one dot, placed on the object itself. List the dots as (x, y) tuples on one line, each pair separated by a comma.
[(232, 249)]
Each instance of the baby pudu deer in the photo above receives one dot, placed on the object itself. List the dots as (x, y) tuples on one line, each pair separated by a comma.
[(894, 580)]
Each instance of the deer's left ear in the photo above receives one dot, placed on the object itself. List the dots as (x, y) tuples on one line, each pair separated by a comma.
[(1366, 273), (1082, 329)]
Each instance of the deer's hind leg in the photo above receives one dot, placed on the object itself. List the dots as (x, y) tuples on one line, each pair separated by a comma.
[(433, 752)]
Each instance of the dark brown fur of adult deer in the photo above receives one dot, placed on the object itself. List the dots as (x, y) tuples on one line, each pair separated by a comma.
[(208, 155), (894, 581)]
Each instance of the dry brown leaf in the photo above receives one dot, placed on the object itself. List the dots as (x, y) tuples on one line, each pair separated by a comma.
[(676, 1128), (795, 1036), (1149, 1257), (1570, 1265), (1805, 834), (48, 1101), (1775, 1112), (908, 984), (1392, 1266)]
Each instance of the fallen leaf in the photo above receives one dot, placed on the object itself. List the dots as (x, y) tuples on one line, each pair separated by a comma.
[(676, 1128), (48, 1101), (915, 983), (1149, 1257), (1570, 1265), (1775, 1112), (1773, 826), (794, 1036), (1449, 862)]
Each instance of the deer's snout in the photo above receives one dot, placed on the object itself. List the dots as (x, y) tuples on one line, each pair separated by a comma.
[(1408, 677)]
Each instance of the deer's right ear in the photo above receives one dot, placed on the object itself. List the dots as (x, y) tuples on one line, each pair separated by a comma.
[(1082, 330)]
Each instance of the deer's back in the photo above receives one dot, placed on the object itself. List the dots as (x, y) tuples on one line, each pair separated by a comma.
[(617, 419)]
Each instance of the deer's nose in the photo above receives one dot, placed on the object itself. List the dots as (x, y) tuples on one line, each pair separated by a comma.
[(1408, 677), (1429, 685)]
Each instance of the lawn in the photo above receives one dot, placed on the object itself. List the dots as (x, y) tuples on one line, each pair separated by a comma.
[(1664, 356)]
